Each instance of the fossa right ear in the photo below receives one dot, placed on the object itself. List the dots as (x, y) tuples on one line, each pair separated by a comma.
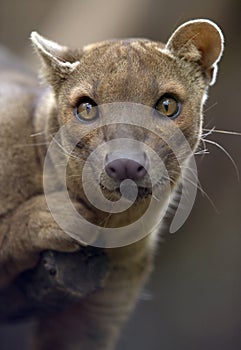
[(199, 41)]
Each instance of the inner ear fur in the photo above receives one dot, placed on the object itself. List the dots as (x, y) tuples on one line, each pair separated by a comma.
[(198, 41)]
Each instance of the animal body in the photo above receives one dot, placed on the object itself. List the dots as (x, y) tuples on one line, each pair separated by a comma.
[(170, 79)]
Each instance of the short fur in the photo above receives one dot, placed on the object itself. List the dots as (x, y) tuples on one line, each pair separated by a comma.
[(132, 70)]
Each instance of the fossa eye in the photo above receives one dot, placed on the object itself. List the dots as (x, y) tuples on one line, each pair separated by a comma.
[(169, 106), (86, 110)]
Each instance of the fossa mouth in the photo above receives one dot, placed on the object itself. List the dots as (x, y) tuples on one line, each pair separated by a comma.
[(115, 194)]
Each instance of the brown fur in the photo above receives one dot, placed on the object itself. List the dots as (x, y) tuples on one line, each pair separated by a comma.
[(131, 70)]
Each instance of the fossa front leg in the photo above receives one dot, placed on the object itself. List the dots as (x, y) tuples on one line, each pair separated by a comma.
[(27, 231)]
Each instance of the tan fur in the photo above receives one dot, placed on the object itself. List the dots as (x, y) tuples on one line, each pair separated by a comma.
[(131, 70)]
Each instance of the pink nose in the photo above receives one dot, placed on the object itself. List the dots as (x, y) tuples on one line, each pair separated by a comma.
[(122, 169)]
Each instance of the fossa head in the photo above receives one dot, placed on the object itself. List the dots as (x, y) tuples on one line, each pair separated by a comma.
[(171, 79)]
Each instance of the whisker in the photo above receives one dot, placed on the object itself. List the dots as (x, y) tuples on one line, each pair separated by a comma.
[(202, 151), (155, 197), (31, 144), (37, 134), (42, 132), (199, 186), (227, 154), (204, 193), (210, 107), (69, 176), (64, 150), (210, 131)]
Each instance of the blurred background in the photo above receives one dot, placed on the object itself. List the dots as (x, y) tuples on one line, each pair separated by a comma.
[(193, 298)]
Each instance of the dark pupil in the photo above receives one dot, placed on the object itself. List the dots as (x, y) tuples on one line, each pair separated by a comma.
[(166, 105), (88, 107)]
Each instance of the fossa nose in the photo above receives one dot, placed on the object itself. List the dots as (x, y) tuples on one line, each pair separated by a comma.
[(124, 167)]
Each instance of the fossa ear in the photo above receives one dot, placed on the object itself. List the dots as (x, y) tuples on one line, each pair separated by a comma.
[(199, 41), (57, 61)]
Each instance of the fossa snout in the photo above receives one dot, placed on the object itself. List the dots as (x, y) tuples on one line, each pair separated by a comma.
[(127, 159)]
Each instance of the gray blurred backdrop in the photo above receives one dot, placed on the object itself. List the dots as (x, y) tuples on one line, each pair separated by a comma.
[(193, 299)]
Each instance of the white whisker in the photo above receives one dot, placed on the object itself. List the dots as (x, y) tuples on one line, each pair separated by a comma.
[(226, 132), (42, 132), (202, 151), (227, 154)]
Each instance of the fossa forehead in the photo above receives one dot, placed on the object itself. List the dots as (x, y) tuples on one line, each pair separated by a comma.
[(128, 68), (125, 50)]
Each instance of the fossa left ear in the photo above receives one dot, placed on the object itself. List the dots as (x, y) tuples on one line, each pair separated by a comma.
[(199, 41), (57, 61)]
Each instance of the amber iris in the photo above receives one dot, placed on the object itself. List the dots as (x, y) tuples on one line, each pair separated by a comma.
[(86, 110), (169, 106)]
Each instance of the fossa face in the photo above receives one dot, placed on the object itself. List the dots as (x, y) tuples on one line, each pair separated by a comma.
[(96, 87)]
